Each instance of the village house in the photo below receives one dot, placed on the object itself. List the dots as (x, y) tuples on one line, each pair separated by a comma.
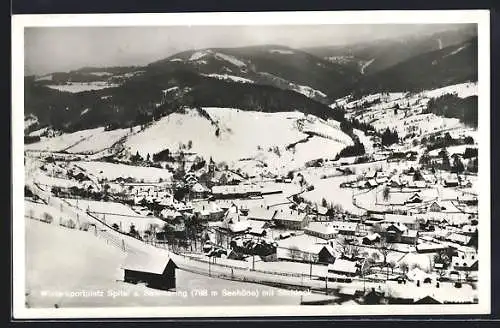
[(451, 181), (430, 247), (371, 239), (303, 250), (174, 219), (207, 211), (469, 230), (321, 214), (459, 239), (395, 182), (321, 230), (417, 184), (436, 207), (415, 198), (399, 233), (419, 277), (429, 178), (371, 175), (258, 228), (410, 221), (346, 228), (467, 199), (344, 268), (233, 222), (465, 262), (291, 220), (261, 213), (303, 208), (198, 191)]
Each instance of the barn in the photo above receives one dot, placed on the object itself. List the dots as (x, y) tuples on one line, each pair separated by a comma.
[(157, 271)]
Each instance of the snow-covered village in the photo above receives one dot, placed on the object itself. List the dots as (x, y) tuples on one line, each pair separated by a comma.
[(235, 171)]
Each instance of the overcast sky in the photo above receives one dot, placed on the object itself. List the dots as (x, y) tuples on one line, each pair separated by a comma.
[(50, 49)]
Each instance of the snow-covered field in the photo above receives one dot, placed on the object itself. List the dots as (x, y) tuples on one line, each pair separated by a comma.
[(231, 59), (243, 134), (113, 171), (99, 141), (281, 52), (49, 181), (331, 191), (308, 91), (462, 90), (38, 210), (74, 270), (74, 255), (408, 119), (102, 207), (453, 150), (122, 215), (233, 78), (64, 141), (75, 87)]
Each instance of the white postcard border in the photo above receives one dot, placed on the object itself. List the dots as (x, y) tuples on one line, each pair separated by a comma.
[(19, 22)]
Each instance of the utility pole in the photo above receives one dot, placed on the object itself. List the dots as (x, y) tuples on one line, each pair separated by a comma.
[(310, 267), (326, 283)]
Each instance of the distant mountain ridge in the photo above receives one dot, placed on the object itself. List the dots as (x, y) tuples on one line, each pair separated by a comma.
[(451, 65), (387, 53), (269, 78)]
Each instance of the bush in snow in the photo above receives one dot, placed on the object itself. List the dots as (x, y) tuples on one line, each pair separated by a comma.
[(47, 218)]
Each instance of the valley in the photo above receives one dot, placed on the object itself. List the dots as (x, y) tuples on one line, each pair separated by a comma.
[(342, 174)]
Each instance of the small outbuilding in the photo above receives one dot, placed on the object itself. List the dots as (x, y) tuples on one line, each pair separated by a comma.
[(157, 271)]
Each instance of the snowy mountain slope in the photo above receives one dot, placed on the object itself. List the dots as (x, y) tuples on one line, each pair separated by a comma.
[(404, 112), (242, 135), (295, 70), (81, 142)]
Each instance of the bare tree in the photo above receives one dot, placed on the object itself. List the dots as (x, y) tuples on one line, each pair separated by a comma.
[(386, 193), (384, 249), (404, 267)]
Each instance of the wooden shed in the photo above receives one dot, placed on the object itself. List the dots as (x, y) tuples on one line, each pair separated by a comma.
[(157, 271)]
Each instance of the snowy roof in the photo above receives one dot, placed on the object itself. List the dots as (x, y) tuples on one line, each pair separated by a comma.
[(320, 227), (410, 233), (429, 246), (399, 226), (256, 224), (341, 265), (322, 210), (290, 216), (467, 261), (455, 237), (469, 228), (169, 213), (304, 243), (418, 274), (261, 213), (372, 237), (153, 263), (344, 225), (197, 187), (405, 219), (302, 206)]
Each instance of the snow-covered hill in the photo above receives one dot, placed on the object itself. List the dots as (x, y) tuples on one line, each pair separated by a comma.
[(403, 112), (243, 135)]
